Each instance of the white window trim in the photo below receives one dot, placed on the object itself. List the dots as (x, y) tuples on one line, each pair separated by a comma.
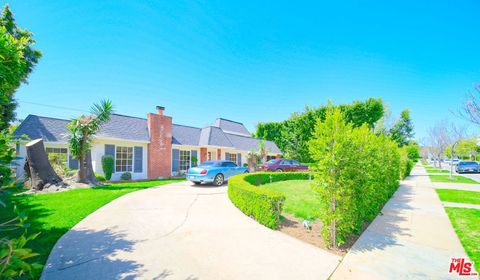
[(180, 161), (133, 158)]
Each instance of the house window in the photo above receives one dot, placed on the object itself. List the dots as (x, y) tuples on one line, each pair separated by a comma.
[(233, 157), (184, 160), (59, 155), (211, 156), (124, 159)]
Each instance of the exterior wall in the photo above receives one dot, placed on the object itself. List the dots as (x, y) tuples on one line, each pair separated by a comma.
[(98, 151), (187, 148), (160, 147), (22, 154)]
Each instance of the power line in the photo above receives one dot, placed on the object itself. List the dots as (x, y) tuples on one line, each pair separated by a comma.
[(52, 106)]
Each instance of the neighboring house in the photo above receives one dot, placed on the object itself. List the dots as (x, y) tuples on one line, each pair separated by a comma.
[(147, 148)]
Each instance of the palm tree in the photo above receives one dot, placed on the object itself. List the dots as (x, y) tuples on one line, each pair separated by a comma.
[(82, 130)]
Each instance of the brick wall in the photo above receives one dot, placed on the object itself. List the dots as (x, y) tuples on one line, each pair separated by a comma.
[(203, 155), (160, 147)]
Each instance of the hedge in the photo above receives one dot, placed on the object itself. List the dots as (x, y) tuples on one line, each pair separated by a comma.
[(262, 204)]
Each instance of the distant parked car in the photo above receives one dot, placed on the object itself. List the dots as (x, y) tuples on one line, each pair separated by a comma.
[(282, 165), (467, 166), (214, 171)]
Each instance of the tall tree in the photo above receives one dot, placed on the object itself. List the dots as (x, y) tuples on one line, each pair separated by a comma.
[(402, 130), (17, 60), (440, 138), (82, 130), (293, 134), (471, 106)]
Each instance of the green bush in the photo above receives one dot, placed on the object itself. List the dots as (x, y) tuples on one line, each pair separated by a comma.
[(127, 176), (406, 166), (107, 166), (357, 172), (100, 177), (263, 205)]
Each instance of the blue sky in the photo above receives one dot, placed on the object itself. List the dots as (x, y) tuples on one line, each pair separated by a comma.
[(250, 61)]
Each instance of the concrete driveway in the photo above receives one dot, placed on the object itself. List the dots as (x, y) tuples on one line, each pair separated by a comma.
[(179, 231)]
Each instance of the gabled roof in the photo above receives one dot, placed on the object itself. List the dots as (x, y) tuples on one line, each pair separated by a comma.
[(54, 130), (232, 126), (185, 135), (49, 129), (214, 136), (136, 129)]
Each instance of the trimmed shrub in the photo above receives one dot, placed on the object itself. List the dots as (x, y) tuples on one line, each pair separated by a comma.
[(264, 205), (406, 166), (127, 176), (357, 172), (100, 177), (107, 166)]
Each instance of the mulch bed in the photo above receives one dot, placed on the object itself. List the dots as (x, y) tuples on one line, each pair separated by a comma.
[(293, 226)]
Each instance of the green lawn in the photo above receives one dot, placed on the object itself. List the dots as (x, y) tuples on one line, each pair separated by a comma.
[(54, 214), (456, 179), (436, 170), (459, 196), (466, 223), (300, 199)]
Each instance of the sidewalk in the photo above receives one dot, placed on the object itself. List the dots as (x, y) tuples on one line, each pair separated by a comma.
[(461, 205), (413, 239)]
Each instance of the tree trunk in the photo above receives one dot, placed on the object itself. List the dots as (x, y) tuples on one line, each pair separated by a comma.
[(82, 174), (90, 175), (41, 172)]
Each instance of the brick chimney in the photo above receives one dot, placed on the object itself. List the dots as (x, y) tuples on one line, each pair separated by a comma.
[(160, 147)]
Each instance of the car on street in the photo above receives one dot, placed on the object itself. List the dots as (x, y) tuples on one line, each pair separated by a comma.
[(282, 165), (468, 167), (214, 171)]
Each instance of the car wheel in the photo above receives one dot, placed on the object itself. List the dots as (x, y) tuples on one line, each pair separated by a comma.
[(218, 181), (279, 170), (246, 171)]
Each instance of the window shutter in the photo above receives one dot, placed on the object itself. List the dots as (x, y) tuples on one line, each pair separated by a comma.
[(175, 160), (138, 159), (194, 154), (239, 159), (110, 151), (72, 162)]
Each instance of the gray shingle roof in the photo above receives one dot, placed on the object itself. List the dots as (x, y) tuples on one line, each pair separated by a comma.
[(248, 143), (231, 126), (214, 136), (125, 127), (49, 129), (136, 129), (185, 135), (53, 130)]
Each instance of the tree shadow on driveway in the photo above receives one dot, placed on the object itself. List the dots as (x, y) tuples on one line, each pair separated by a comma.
[(88, 254)]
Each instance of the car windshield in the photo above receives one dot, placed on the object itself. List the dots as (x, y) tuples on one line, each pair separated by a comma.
[(210, 164), (468, 163)]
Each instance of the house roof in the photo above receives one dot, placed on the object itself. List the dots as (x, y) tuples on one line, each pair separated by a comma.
[(136, 129), (54, 130), (231, 126)]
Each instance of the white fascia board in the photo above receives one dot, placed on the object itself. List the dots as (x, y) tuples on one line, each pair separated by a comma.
[(122, 140)]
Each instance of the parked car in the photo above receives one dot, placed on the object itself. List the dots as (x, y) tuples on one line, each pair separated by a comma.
[(214, 171), (282, 165), (467, 166)]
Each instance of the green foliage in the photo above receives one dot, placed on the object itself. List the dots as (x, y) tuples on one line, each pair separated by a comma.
[(82, 130), (13, 238), (107, 166), (357, 172), (413, 151), (262, 204), (406, 166), (292, 135), (402, 130), (127, 176), (464, 149), (100, 177), (17, 60)]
